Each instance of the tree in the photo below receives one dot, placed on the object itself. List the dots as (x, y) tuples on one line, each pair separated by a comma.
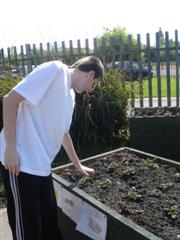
[(115, 40)]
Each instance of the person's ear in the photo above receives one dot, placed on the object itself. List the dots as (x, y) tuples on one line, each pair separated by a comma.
[(91, 74)]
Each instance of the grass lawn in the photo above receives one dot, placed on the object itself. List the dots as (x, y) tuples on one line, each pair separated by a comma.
[(154, 87)]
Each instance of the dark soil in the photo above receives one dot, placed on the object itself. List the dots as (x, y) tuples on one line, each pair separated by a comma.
[(141, 188), (155, 111)]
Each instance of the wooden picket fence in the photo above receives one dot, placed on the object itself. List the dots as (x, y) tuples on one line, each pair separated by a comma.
[(23, 61)]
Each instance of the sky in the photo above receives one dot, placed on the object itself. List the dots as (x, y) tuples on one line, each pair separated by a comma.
[(35, 21)]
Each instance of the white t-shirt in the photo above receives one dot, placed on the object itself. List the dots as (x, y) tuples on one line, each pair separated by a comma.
[(43, 117)]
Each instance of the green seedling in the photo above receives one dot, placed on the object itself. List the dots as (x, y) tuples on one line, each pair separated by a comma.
[(177, 176), (125, 162), (150, 163), (133, 194), (172, 211), (111, 168), (129, 171), (85, 180), (166, 185), (107, 183)]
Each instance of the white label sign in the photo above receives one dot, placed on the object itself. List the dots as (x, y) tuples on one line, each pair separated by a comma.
[(72, 205), (92, 223), (58, 193)]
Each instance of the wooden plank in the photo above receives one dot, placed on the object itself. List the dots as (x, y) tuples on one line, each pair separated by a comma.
[(177, 67), (35, 57), (168, 69), (148, 52), (158, 69), (41, 57), (103, 49), (87, 47), (95, 47), (15, 58), (71, 52), (22, 61), (121, 51), (64, 52), (79, 48), (48, 53), (56, 51), (112, 50), (2, 58), (9, 57), (28, 56)]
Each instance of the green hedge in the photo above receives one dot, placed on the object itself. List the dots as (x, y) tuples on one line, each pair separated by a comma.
[(6, 84)]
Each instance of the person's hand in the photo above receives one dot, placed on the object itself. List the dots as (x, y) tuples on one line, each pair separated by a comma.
[(12, 161), (85, 170)]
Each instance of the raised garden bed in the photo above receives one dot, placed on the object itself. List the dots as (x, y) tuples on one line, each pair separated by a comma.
[(139, 193), (156, 130)]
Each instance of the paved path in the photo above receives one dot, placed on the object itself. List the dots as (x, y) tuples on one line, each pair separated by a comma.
[(5, 232), (155, 102)]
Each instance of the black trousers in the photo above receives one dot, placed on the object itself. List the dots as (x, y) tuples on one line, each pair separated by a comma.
[(31, 206)]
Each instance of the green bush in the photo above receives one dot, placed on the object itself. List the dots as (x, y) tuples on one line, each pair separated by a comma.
[(100, 116), (6, 84)]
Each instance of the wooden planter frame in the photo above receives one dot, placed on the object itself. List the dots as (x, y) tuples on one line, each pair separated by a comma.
[(118, 226)]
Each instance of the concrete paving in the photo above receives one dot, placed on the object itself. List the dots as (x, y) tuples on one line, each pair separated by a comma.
[(5, 232), (155, 102)]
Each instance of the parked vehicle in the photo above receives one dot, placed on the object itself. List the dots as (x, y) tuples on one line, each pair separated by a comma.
[(130, 70)]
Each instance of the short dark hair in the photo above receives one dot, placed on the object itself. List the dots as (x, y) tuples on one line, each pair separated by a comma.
[(90, 63)]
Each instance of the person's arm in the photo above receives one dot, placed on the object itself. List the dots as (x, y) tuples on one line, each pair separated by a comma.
[(10, 110), (69, 148)]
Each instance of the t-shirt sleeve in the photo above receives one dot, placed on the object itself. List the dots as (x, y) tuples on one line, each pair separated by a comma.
[(34, 86)]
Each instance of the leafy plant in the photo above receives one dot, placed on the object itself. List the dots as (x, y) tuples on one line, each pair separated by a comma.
[(111, 168), (129, 171), (172, 211), (150, 163), (133, 194), (85, 180), (166, 185), (107, 183), (177, 176)]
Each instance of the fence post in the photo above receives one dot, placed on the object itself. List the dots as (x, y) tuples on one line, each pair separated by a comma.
[(35, 58), (140, 71), (28, 55), (131, 60), (71, 52), (64, 52), (55, 50), (168, 69), (177, 67), (158, 69), (112, 50), (87, 46), (103, 48), (41, 57), (149, 69), (22, 60), (95, 47)]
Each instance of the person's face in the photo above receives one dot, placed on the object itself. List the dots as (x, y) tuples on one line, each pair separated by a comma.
[(85, 82)]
